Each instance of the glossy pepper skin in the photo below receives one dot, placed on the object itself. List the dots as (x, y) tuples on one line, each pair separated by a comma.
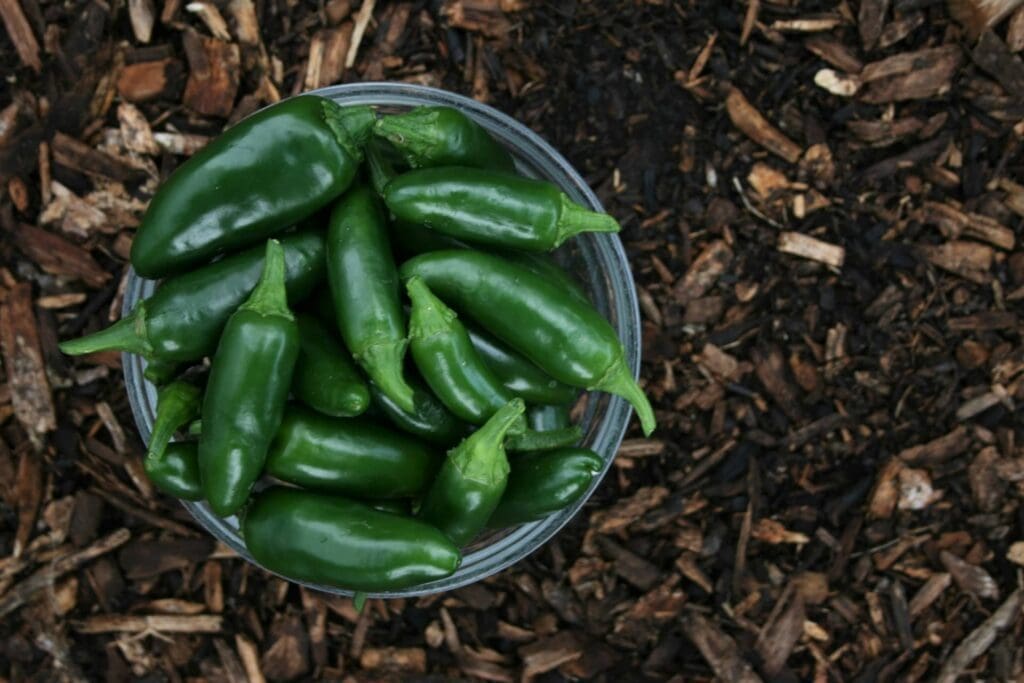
[(330, 540), (530, 440), (472, 479), (491, 208), (176, 471), (325, 377), (160, 372), (519, 376), (177, 404), (443, 136), (183, 320), (429, 419), (542, 483), (447, 361), (568, 340), (247, 389), (265, 173), (364, 289), (543, 418), (356, 457)]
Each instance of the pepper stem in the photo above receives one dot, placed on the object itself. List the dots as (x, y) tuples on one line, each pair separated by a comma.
[(350, 126), (127, 334), (429, 315), (414, 132), (383, 363), (270, 296), (574, 219), (380, 167), (177, 403), (618, 381), (481, 456)]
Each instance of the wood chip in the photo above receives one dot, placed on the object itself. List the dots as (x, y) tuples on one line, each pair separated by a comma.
[(155, 623), (938, 450), (774, 533), (838, 83), (916, 492), (718, 649), (24, 365), (980, 639), (932, 589), (971, 578), (211, 16), (362, 20), (20, 33), (58, 256), (408, 660), (835, 53), (805, 246), (1015, 31), (749, 120), (993, 56), (181, 144), (142, 15), (550, 653), (916, 75), (704, 272), (779, 637), (135, 130), (969, 260), (327, 51), (249, 655), (144, 81), (954, 223), (628, 510), (214, 71), (806, 25)]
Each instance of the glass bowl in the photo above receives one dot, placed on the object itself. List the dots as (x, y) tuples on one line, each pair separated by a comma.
[(597, 260)]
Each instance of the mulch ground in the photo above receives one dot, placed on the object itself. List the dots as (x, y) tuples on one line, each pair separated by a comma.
[(822, 203)]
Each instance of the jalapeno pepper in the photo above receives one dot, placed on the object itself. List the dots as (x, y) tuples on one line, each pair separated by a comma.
[(263, 174), (182, 321), (176, 471), (472, 479), (530, 440), (160, 372), (550, 417), (562, 336), (519, 376), (443, 136), (491, 208), (330, 540), (325, 378), (395, 507), (357, 457), (247, 389), (446, 359), (429, 419), (177, 404), (542, 483), (364, 289), (380, 164)]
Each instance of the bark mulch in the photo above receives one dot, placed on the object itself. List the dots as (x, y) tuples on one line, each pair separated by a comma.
[(822, 203)]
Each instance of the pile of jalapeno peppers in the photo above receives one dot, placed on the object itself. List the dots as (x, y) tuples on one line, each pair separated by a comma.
[(366, 417)]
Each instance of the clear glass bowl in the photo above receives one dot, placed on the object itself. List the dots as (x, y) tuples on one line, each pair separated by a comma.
[(597, 260)]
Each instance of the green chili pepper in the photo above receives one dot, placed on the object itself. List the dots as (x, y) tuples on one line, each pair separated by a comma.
[(521, 377), (429, 419), (356, 457), (398, 506), (443, 136), (334, 541), (176, 471), (177, 404), (567, 339), (325, 378), (364, 289), (182, 321), (531, 440), (446, 359), (380, 164), (247, 389), (472, 479), (549, 418), (160, 372), (263, 174), (491, 208), (542, 483)]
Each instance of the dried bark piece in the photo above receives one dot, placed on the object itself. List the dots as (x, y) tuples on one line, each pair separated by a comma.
[(135, 130), (211, 16), (213, 78), (704, 272), (28, 494), (838, 83), (995, 58), (886, 493), (362, 20), (1016, 553), (806, 24), (20, 33), (916, 492), (550, 653), (142, 15), (987, 487), (749, 120), (630, 566), (900, 28), (985, 321), (327, 51), (968, 260), (971, 578), (981, 403), (954, 223), (183, 144), (157, 623), (288, 656), (770, 367), (145, 81), (884, 133), (870, 20), (24, 365), (628, 510), (59, 257), (805, 246), (919, 75), (977, 15), (1015, 31), (938, 450), (249, 655), (480, 16), (774, 533), (980, 639), (932, 589), (399, 659), (78, 156), (835, 53), (779, 637), (718, 649), (143, 559)]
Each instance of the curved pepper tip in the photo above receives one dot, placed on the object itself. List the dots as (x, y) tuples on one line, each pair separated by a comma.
[(620, 383), (384, 363)]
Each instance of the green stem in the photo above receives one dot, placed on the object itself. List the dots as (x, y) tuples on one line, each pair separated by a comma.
[(380, 167), (270, 296), (573, 219), (481, 456), (429, 315), (350, 126), (618, 381), (414, 132), (127, 334), (177, 403)]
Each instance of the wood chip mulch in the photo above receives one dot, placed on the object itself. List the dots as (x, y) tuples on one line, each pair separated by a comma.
[(823, 204)]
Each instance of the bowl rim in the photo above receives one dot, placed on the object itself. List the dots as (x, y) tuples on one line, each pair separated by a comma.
[(523, 540)]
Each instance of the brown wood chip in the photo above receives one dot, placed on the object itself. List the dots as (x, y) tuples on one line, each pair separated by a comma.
[(718, 649), (214, 72), (780, 636), (23, 363), (408, 660), (58, 256), (971, 578), (20, 33), (748, 119), (980, 639), (704, 272), (550, 653)]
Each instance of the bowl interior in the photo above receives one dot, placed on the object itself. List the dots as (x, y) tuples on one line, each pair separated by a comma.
[(597, 260)]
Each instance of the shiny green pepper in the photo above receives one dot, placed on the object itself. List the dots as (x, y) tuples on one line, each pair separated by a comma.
[(443, 136), (325, 377), (542, 483), (263, 174), (176, 471)]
